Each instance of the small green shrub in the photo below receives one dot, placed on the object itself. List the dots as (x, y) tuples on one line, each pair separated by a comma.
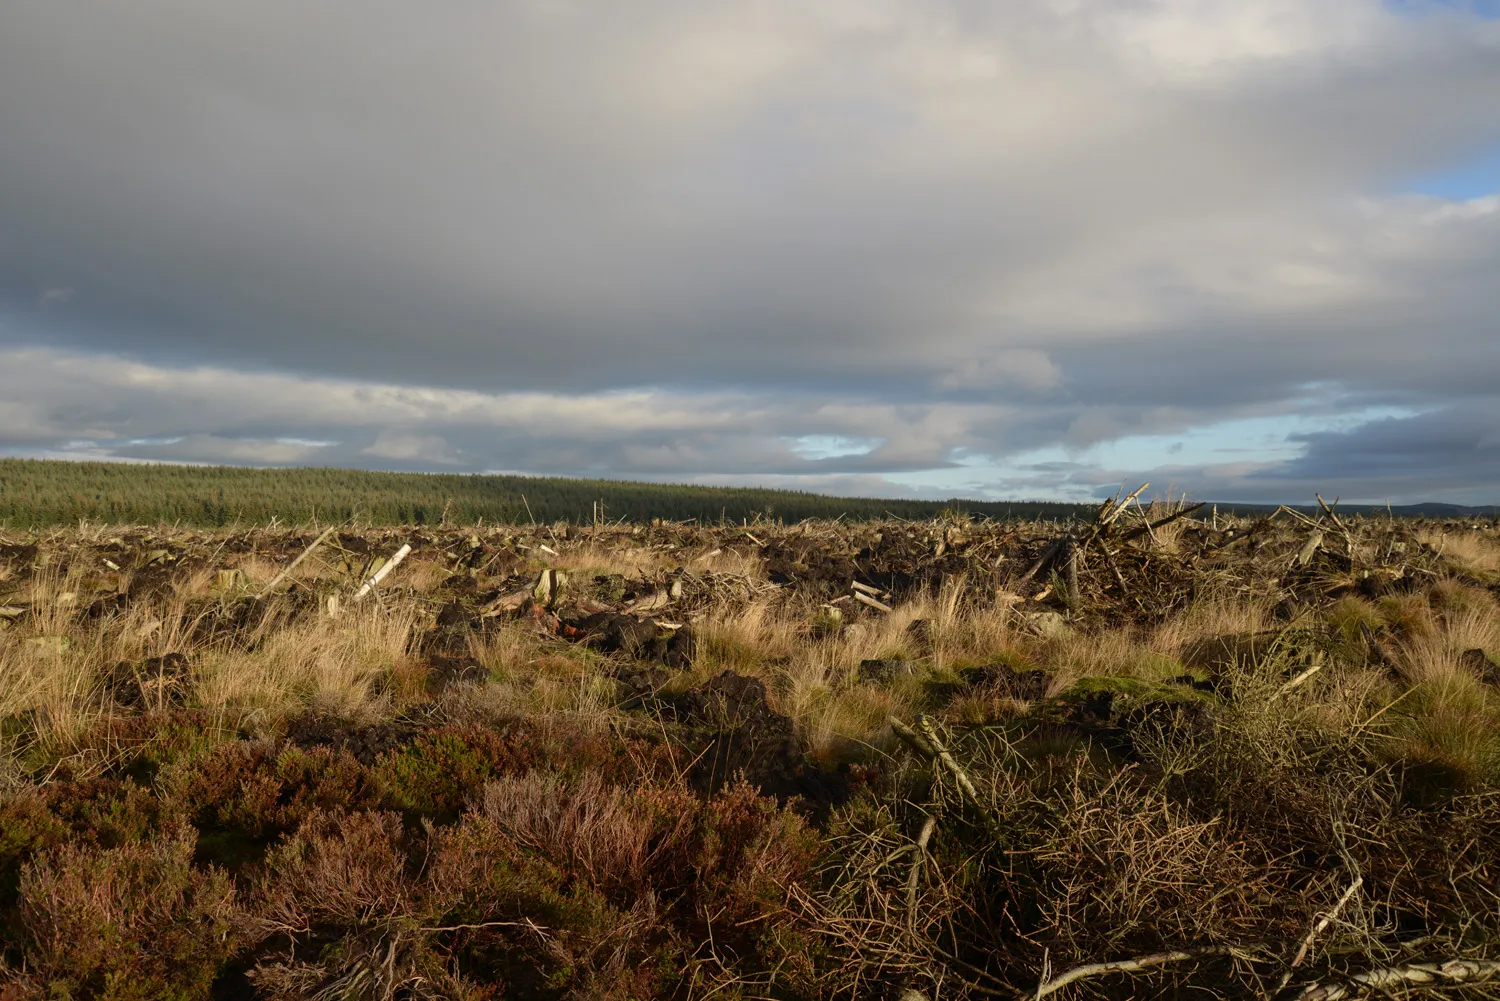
[(440, 771)]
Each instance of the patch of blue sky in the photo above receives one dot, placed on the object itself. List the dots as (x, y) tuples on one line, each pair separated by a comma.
[(1477, 176), (1249, 439), (1064, 474), (832, 446), (1487, 9)]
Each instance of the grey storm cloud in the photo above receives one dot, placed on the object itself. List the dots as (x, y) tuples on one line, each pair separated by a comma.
[(683, 240)]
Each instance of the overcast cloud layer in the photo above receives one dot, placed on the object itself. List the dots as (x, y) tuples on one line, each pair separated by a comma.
[(1030, 248)]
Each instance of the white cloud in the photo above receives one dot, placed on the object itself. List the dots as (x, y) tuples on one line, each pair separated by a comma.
[(424, 449)]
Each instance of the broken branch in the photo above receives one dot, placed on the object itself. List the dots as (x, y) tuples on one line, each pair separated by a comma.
[(1454, 971), (1317, 929), (380, 575), (297, 562), (1135, 965)]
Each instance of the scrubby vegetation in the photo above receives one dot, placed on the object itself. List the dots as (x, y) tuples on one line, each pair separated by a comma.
[(1141, 754)]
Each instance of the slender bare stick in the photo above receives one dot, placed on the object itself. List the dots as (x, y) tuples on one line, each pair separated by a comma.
[(913, 739), (914, 879), (1316, 930), (1301, 677), (1151, 526), (295, 563), (1135, 965), (1043, 560), (949, 761), (925, 742), (1111, 513)]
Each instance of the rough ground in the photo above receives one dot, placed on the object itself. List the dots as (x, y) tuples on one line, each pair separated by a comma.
[(957, 758)]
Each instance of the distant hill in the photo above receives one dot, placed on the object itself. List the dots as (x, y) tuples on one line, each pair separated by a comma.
[(1427, 509), (37, 492), (47, 492)]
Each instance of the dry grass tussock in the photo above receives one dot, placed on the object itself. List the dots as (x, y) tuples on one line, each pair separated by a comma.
[(706, 768), (1471, 550)]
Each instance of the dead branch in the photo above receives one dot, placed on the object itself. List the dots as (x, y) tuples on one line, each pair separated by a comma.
[(297, 562), (1294, 682), (1042, 561), (914, 879), (966, 784), (1436, 975), (1317, 929), (926, 743), (1151, 526), (380, 575), (1136, 965)]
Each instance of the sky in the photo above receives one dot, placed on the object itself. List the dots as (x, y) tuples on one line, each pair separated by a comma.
[(1243, 249)]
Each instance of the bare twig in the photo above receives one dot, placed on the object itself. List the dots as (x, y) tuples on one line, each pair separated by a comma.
[(1146, 523), (1152, 526), (1343, 529), (1317, 929), (924, 741), (527, 924), (1042, 561), (924, 724), (297, 562), (1294, 682), (915, 878)]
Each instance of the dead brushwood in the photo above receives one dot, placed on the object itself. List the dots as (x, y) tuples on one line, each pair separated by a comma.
[(1181, 754)]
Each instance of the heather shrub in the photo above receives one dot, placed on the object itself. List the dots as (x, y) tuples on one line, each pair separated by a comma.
[(439, 771), (26, 827), (109, 812), (243, 794), (340, 890), (612, 891), (133, 922), (553, 885), (443, 769), (140, 746)]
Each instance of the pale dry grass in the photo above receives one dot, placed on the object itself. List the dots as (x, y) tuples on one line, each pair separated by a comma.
[(418, 573), (332, 665), (530, 675), (1473, 551), (358, 665), (53, 663), (746, 638), (603, 557), (815, 679), (730, 561), (1208, 619), (1437, 655), (256, 570), (1125, 652), (1167, 537)]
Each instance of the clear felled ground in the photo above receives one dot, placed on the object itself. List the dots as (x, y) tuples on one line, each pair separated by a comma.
[(958, 758)]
